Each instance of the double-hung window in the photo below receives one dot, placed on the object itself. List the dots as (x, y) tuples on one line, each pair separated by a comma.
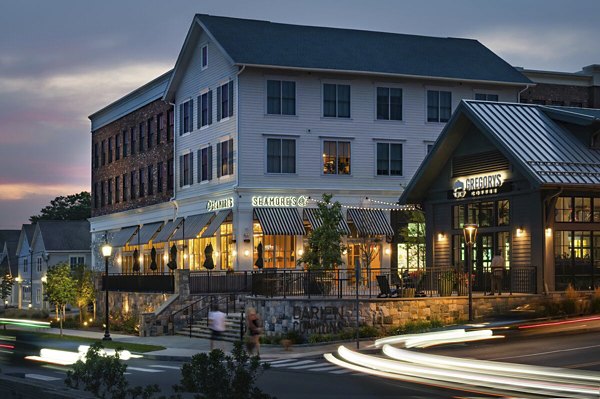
[(96, 161), (170, 124), (117, 189), (281, 155), (150, 125), (186, 117), (170, 172), (109, 189), (336, 157), (141, 183), (110, 149), (186, 169), (125, 143), (159, 177), (75, 261), (117, 147), (102, 193), (486, 97), (225, 101), (389, 103), (103, 149), (142, 137), (160, 127), (204, 164), (439, 106), (125, 187), (39, 264), (150, 180), (205, 109), (336, 100), (389, 159), (281, 97), (132, 185), (225, 158), (133, 140)]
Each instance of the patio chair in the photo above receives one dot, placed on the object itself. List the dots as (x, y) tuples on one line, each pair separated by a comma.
[(384, 288)]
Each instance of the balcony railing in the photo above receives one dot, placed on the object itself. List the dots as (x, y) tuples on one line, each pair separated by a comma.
[(159, 283)]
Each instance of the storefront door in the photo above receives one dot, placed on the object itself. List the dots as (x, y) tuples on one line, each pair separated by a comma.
[(483, 253)]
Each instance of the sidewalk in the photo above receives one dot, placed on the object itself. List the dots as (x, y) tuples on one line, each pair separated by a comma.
[(182, 348)]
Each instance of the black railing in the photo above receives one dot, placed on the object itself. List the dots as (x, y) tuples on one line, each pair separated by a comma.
[(162, 283), (523, 279), (198, 310), (214, 282)]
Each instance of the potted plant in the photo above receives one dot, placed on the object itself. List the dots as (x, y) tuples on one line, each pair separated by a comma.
[(446, 281)]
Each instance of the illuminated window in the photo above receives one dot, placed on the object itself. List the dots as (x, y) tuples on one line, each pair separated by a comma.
[(336, 157)]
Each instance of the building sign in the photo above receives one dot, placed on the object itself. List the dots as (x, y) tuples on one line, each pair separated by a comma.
[(215, 205), (477, 185), (283, 201), (319, 320)]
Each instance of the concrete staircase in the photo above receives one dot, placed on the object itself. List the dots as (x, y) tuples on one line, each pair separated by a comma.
[(199, 328)]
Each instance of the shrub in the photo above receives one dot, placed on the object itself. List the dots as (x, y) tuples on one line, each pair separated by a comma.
[(215, 375), (34, 314), (417, 326), (104, 377), (549, 307)]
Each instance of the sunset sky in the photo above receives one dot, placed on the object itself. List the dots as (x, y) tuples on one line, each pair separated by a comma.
[(61, 60)]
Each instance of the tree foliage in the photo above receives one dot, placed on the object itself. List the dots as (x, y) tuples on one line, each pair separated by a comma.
[(324, 249), (60, 287), (215, 375), (85, 291), (104, 377), (6, 286), (71, 207)]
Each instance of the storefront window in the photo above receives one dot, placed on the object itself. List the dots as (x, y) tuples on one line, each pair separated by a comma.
[(197, 255), (278, 251), (458, 216), (486, 214), (503, 244), (583, 209), (458, 251), (577, 259), (226, 246), (582, 246), (563, 211), (473, 213), (503, 207), (596, 217)]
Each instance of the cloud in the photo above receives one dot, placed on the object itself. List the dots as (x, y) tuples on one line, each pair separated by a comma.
[(536, 47), (19, 191)]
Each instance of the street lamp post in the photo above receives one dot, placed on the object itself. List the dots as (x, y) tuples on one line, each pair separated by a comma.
[(470, 231), (106, 252)]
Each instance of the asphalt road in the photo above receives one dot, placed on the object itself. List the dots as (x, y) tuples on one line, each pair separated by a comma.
[(315, 378)]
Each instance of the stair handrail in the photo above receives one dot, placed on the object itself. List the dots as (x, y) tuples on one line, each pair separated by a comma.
[(212, 303)]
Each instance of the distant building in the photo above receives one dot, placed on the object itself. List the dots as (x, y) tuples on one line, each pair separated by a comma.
[(9, 239), (45, 244), (571, 89)]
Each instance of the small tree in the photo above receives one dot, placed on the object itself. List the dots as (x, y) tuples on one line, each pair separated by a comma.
[(6, 287), (61, 289), (413, 239), (85, 291), (324, 249), (215, 375)]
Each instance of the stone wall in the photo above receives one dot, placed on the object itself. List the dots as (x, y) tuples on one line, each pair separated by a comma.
[(330, 316)]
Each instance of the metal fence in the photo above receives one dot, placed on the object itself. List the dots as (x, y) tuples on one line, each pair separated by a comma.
[(162, 283), (214, 282)]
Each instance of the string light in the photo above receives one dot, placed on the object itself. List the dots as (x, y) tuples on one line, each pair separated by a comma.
[(367, 208)]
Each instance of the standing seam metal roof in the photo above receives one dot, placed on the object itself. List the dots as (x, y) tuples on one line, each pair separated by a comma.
[(551, 153)]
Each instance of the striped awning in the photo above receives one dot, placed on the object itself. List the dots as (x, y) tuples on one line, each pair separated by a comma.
[(146, 233), (370, 222), (192, 226), (165, 233), (121, 237), (280, 221), (313, 218), (216, 223)]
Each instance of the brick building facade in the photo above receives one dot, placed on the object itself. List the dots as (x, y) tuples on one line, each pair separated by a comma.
[(132, 160), (577, 89)]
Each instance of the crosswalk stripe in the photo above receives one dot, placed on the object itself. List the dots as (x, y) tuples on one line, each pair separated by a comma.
[(340, 371), (144, 370), (165, 367), (42, 377), (283, 361), (305, 366), (293, 364), (326, 368)]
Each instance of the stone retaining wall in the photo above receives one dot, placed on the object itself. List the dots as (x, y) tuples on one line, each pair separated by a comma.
[(330, 316)]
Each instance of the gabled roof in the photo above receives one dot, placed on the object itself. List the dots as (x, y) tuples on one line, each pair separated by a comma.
[(64, 235), (26, 235), (9, 240), (547, 153), (268, 44)]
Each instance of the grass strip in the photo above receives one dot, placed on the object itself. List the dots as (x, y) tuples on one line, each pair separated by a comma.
[(132, 347)]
